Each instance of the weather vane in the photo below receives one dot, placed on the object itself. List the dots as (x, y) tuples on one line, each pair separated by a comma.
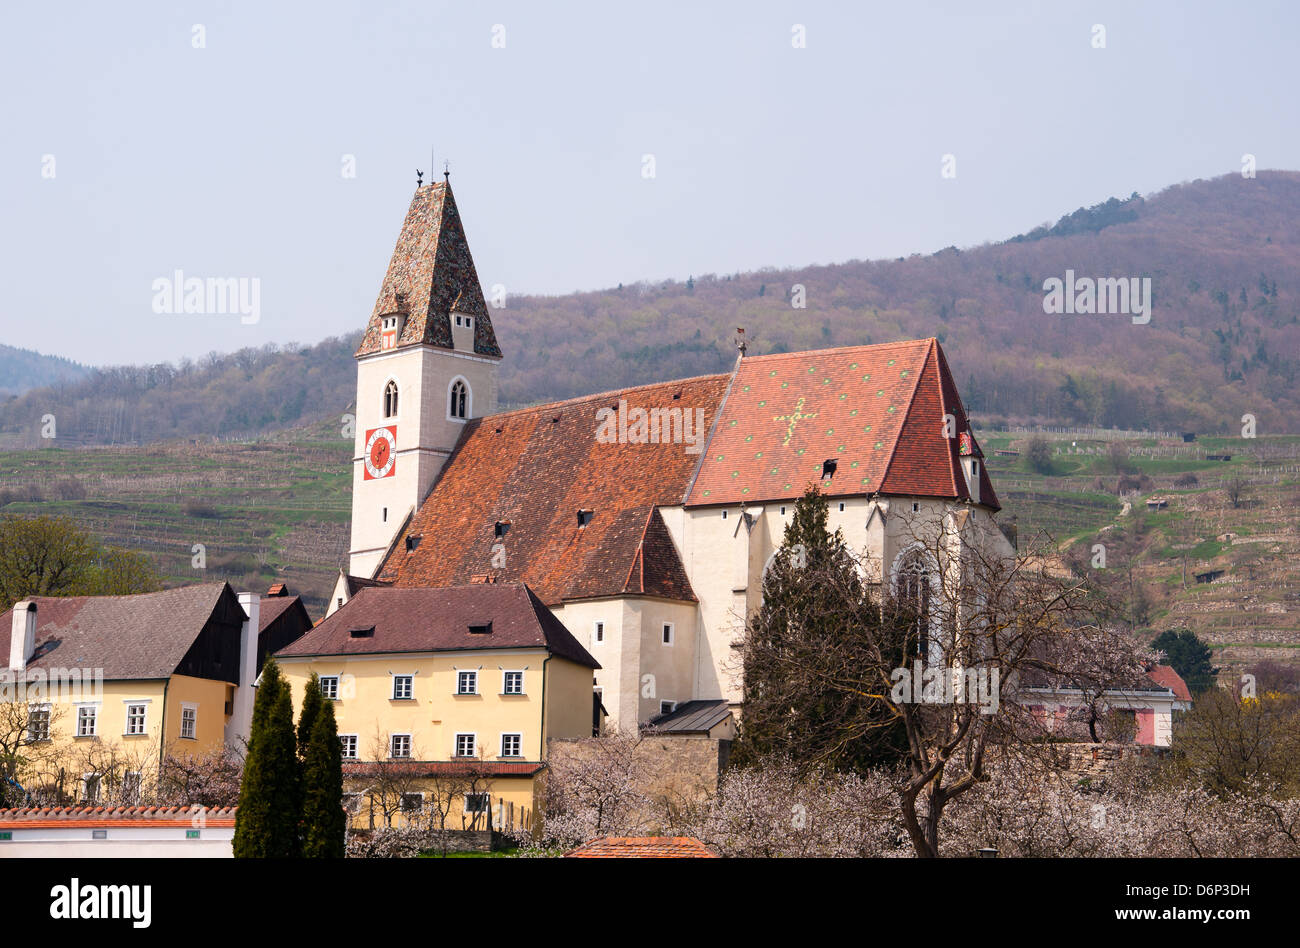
[(419, 178), (446, 171)]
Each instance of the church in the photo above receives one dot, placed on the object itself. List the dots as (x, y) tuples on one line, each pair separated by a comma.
[(643, 518)]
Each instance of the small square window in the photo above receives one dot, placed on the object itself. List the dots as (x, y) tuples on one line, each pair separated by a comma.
[(512, 745), (512, 683), (403, 687), (329, 687), (399, 745), (467, 683), (38, 725), (135, 718), (465, 745), (412, 802), (348, 745)]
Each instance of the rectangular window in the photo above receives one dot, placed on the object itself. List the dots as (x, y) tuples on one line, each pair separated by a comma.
[(667, 634), (512, 683), (841, 506), (477, 802), (512, 745), (412, 802), (86, 715), (598, 631), (465, 745), (135, 718), (329, 687), (667, 707), (38, 725), (189, 723), (399, 745), (403, 687), (467, 683), (348, 743)]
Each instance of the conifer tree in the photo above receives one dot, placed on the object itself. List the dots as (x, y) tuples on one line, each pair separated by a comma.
[(323, 820), (814, 600), (312, 699), (270, 801)]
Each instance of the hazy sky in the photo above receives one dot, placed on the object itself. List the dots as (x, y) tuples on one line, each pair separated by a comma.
[(227, 160)]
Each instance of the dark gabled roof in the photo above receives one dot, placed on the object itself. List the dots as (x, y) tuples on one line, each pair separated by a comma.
[(878, 411), (536, 468), (431, 275), (355, 583), (439, 620), (145, 636), (691, 717)]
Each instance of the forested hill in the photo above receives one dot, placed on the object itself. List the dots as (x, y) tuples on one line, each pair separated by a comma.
[(23, 369), (1223, 257)]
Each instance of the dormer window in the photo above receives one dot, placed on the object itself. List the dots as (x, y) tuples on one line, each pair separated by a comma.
[(412, 543), (367, 633), (502, 528), (390, 329), (484, 629), (463, 322), (390, 399), (584, 517), (828, 469)]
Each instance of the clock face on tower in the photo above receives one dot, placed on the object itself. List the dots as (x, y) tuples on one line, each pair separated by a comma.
[(381, 452)]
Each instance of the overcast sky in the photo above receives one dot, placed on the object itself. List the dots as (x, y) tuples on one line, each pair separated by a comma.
[(220, 151)]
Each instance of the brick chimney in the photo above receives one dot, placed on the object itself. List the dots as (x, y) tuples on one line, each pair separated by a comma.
[(22, 637)]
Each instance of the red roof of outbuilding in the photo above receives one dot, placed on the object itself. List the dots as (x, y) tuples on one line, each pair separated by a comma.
[(1166, 677), (643, 847)]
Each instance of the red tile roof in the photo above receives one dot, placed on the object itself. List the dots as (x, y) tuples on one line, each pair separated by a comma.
[(99, 817), (429, 768), (1166, 677), (536, 468), (439, 619), (643, 847), (878, 411), (433, 272)]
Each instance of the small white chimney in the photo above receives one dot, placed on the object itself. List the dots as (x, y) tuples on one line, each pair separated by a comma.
[(241, 718), (22, 636)]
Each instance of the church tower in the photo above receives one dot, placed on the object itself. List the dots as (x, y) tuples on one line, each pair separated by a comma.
[(426, 365)]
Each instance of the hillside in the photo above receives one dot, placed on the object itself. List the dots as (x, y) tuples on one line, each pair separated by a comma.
[(1224, 337), (23, 369)]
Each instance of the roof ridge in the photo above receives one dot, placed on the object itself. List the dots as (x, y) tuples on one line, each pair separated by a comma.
[(939, 367), (577, 399), (713, 427), (812, 352)]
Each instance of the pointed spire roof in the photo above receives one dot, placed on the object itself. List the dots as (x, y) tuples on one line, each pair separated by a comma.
[(430, 276)]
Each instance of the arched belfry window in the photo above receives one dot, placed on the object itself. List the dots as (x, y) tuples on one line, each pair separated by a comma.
[(914, 594), (390, 400), (459, 405)]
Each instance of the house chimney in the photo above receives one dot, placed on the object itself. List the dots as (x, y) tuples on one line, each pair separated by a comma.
[(22, 637), (241, 718)]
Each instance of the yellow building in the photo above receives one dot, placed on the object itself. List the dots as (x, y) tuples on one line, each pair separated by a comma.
[(445, 699), (99, 689)]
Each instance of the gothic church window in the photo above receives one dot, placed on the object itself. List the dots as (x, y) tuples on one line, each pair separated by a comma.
[(390, 400), (914, 595), (459, 407)]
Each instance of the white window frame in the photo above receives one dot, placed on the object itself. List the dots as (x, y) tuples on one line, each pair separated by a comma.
[(519, 737), (473, 737), (410, 687), (333, 678), (473, 681), (193, 721), (671, 629), (127, 779), (397, 399), (93, 708), (131, 705), (598, 631), (483, 795), (48, 711), (505, 681), (411, 793), (392, 746), (348, 751)]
